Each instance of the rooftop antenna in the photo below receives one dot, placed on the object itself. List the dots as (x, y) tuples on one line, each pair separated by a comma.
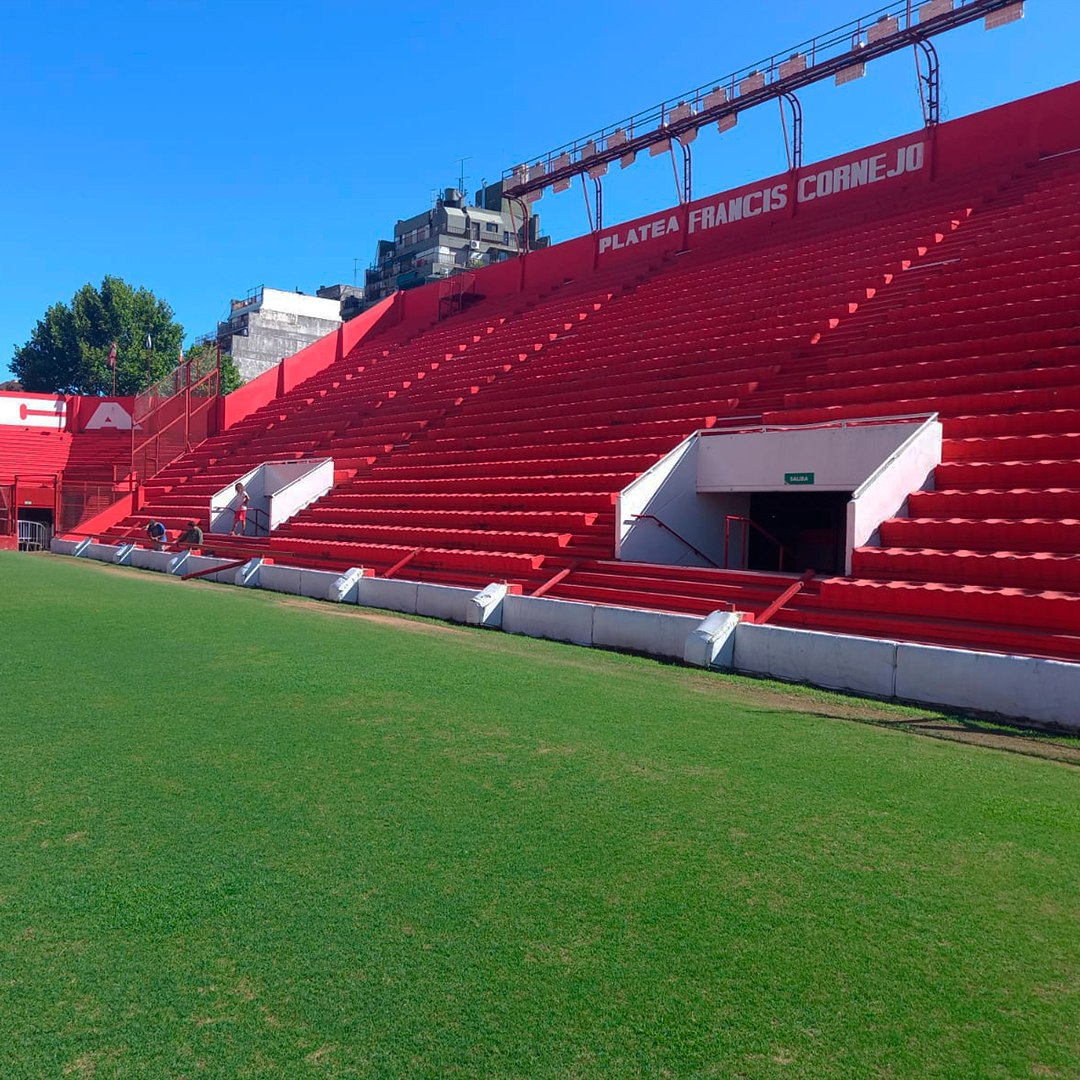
[(462, 175), (354, 262)]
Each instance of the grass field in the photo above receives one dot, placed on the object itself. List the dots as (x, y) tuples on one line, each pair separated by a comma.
[(248, 836)]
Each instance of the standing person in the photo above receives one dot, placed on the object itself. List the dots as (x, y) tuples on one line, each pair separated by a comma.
[(240, 513), (192, 536), (156, 531)]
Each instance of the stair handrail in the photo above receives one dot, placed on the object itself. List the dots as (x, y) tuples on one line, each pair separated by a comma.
[(729, 518), (678, 536), (254, 510), (183, 385), (926, 418), (839, 422)]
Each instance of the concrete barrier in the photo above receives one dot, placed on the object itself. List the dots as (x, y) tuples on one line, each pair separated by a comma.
[(278, 578), (557, 620), (656, 633), (178, 564), (712, 643), (388, 593), (194, 563), (444, 602), (1047, 691), (74, 548), (346, 588), (101, 552), (123, 554), (315, 584), (835, 661), (486, 607), (248, 574), (145, 559)]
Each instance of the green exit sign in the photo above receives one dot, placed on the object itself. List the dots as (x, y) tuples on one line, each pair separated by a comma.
[(798, 478)]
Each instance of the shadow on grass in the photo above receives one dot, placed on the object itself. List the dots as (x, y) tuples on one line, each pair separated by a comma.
[(1030, 742)]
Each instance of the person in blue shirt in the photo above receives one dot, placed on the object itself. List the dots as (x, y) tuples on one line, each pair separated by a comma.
[(156, 531)]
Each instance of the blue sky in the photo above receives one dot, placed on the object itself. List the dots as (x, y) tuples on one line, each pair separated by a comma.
[(202, 149)]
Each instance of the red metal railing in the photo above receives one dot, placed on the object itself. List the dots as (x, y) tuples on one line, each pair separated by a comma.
[(256, 513), (749, 524), (678, 536), (174, 414), (452, 293)]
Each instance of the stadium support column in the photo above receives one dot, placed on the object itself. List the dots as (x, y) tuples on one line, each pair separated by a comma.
[(795, 151), (588, 208), (523, 247), (929, 95)]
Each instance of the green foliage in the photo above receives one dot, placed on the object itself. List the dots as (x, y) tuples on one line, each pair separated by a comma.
[(230, 374), (241, 835), (69, 348)]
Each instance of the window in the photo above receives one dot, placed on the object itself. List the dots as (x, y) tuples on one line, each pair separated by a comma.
[(492, 226)]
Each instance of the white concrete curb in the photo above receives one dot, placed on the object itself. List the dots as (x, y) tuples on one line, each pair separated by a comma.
[(1044, 690), (389, 593), (557, 620), (835, 661)]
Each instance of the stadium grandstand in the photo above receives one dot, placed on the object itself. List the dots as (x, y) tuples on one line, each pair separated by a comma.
[(842, 399)]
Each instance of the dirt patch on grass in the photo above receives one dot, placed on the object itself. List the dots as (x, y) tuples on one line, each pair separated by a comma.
[(399, 620), (1047, 746), (913, 719)]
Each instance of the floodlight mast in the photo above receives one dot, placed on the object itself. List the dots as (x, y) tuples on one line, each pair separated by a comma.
[(916, 24)]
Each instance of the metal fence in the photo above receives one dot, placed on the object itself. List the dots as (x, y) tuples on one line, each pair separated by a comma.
[(33, 536), (80, 501), (174, 414)]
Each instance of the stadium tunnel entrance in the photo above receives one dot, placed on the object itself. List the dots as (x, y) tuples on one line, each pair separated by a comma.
[(39, 514), (794, 532), (771, 498)]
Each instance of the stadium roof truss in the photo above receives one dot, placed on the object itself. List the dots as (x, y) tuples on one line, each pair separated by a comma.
[(841, 54)]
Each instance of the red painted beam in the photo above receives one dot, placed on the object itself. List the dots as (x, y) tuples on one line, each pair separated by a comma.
[(214, 569), (783, 598)]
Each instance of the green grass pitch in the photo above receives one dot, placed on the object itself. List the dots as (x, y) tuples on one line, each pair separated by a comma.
[(247, 836)]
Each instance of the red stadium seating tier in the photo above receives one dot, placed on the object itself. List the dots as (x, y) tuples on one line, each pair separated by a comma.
[(491, 446), (89, 456)]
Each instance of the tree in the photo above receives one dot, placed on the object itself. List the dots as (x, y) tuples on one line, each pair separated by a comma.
[(68, 352), (230, 373)]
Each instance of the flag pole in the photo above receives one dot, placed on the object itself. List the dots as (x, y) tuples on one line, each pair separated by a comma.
[(112, 364), (149, 354)]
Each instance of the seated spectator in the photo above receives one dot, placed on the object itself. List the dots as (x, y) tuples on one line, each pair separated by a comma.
[(192, 536), (156, 531)]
